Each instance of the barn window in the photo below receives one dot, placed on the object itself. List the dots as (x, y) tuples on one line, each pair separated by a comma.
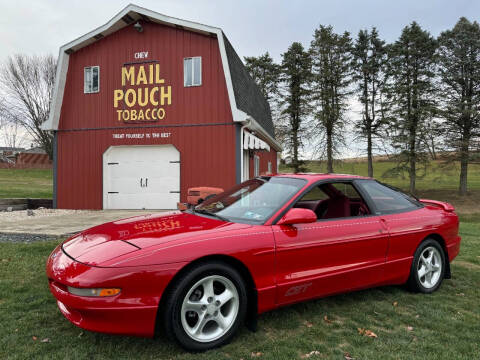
[(269, 167), (256, 165), (91, 82), (192, 71)]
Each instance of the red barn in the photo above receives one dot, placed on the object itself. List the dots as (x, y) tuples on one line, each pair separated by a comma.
[(146, 106)]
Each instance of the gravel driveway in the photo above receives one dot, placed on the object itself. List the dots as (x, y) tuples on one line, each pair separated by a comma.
[(48, 224)]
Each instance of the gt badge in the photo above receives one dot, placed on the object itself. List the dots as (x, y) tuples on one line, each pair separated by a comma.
[(297, 289)]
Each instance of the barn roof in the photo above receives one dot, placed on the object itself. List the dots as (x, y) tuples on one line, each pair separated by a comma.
[(247, 103), (247, 94)]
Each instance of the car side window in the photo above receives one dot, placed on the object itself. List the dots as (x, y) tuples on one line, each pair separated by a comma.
[(347, 189), (385, 199), (334, 200), (316, 194)]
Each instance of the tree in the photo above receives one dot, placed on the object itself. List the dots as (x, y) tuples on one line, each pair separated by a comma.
[(411, 67), (331, 79), (368, 63), (2, 115), (266, 74), (12, 135), (28, 82), (295, 77), (459, 70)]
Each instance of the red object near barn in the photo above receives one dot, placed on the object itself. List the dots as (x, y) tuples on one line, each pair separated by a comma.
[(147, 106), (197, 195), (265, 243)]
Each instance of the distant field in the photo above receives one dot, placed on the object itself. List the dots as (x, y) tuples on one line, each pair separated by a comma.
[(26, 183), (438, 175), (440, 181)]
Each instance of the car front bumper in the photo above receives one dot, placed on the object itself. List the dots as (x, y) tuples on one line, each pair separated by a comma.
[(132, 312)]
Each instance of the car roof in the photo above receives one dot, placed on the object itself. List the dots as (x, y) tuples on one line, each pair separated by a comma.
[(321, 176)]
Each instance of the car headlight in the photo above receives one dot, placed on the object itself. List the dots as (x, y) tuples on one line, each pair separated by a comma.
[(96, 292)]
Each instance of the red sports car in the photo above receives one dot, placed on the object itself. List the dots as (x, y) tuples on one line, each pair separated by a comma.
[(271, 241)]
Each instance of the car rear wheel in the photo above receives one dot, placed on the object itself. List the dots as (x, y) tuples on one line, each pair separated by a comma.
[(428, 267), (206, 306)]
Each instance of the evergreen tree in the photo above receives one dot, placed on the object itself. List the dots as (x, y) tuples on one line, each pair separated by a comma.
[(295, 76), (411, 67), (368, 62), (265, 73), (459, 70), (331, 79)]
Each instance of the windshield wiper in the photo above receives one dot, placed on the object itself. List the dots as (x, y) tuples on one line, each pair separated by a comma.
[(201, 211)]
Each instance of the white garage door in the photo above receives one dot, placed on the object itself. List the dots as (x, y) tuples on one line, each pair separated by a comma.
[(141, 177)]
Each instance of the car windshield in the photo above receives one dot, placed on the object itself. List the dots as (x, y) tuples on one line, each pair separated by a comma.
[(253, 201)]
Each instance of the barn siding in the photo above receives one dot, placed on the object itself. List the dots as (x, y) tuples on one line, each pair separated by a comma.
[(199, 118), (207, 103), (265, 157)]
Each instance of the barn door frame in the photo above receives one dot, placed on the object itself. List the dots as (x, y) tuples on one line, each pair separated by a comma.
[(105, 165)]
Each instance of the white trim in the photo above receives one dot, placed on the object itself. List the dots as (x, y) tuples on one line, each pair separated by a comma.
[(193, 71), (256, 165), (91, 72), (255, 126), (117, 23), (58, 90), (237, 114), (242, 151), (251, 142)]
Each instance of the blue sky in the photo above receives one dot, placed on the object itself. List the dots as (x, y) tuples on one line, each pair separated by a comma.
[(253, 27)]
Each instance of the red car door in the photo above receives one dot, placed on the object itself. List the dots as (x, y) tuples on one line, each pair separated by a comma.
[(408, 224), (329, 256)]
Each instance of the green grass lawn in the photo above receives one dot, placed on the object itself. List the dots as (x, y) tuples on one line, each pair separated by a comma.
[(444, 325), (441, 177), (26, 183)]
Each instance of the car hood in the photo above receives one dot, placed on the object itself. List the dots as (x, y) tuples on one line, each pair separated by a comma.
[(101, 244)]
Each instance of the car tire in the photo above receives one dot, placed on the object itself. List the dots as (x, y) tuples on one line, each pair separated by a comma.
[(428, 267), (205, 306)]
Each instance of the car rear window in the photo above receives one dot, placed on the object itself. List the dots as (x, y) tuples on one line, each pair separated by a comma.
[(387, 200)]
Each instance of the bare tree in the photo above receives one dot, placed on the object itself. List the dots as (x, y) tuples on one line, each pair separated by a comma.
[(13, 136), (2, 116), (28, 82)]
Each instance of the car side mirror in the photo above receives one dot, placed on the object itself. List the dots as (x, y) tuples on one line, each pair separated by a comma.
[(297, 216)]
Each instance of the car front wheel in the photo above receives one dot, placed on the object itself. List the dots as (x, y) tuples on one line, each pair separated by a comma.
[(206, 306), (428, 267)]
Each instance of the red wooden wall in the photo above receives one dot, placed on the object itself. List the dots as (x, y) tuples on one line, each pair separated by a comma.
[(201, 163), (265, 157), (199, 118), (207, 103)]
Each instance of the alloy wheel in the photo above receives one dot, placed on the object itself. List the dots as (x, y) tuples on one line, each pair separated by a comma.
[(429, 267), (210, 308)]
